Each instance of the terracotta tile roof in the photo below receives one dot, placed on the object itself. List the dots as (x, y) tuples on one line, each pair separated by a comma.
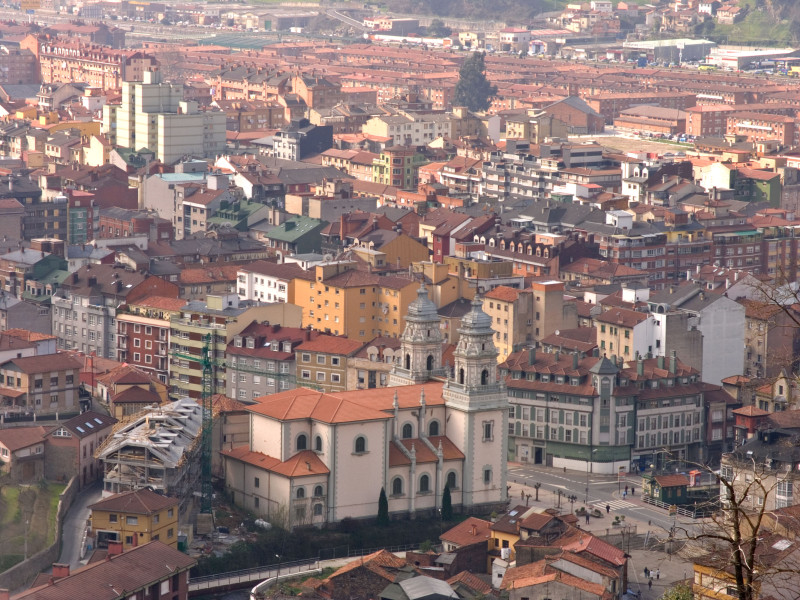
[(302, 464), (381, 563), (220, 403), (331, 344), (257, 459), (676, 480), (503, 293), (136, 395), (468, 532), (303, 403), (583, 562), (44, 363), (449, 450), (22, 437), (535, 521), (473, 582), (135, 569), (736, 380), (579, 541), (28, 336), (138, 502), (750, 411), (161, 302), (209, 274)]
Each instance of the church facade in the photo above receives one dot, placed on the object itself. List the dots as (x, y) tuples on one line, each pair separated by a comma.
[(318, 457)]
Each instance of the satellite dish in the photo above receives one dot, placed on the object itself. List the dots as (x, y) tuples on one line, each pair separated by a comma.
[(558, 332)]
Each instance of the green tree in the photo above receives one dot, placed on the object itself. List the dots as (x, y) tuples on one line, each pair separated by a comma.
[(383, 509), (473, 89), (438, 29), (447, 505), (679, 591)]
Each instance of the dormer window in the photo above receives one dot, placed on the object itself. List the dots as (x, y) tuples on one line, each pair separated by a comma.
[(287, 346), (251, 342), (237, 341)]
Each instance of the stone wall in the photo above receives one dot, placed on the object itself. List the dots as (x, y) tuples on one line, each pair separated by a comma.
[(21, 574)]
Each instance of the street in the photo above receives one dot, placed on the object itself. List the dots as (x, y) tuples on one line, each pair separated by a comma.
[(75, 524), (602, 490)]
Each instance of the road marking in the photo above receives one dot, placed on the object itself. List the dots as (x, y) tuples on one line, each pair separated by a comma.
[(614, 504)]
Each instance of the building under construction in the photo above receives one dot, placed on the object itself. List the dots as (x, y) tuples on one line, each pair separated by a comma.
[(160, 449)]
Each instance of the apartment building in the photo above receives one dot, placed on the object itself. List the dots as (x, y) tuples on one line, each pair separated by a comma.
[(134, 518), (759, 127), (143, 330), (572, 410), (398, 166), (260, 360), (625, 333), (360, 305), (708, 120), (265, 281), (154, 115), (322, 362), (40, 385), (84, 313), (770, 338), (212, 325), (520, 317)]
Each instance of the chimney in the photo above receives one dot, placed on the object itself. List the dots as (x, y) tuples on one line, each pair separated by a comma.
[(575, 361), (60, 570), (114, 548), (474, 529), (5, 594), (639, 365), (660, 362), (532, 355), (673, 362)]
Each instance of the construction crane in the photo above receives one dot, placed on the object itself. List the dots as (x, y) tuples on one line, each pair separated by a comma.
[(209, 365)]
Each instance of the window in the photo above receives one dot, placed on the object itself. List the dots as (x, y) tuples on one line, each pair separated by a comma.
[(488, 430), (408, 431), (487, 475), (256, 482), (361, 444), (305, 374), (318, 510), (306, 357), (397, 487), (424, 484), (318, 444), (302, 442), (170, 532), (320, 359), (301, 493), (335, 361), (318, 491), (451, 480), (433, 428), (170, 512), (131, 520), (112, 518), (320, 376)]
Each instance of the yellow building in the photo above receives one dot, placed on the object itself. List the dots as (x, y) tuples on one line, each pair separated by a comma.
[(623, 332), (343, 300), (399, 250), (86, 128), (135, 518)]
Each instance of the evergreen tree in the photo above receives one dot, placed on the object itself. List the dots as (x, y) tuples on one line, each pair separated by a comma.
[(447, 505), (383, 509), (473, 90)]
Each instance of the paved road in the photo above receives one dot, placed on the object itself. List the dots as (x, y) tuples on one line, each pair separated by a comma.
[(602, 490), (75, 525)]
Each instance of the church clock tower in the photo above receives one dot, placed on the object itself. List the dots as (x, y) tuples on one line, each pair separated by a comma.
[(421, 343), (477, 410)]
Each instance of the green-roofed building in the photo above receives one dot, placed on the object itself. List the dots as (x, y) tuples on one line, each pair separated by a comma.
[(238, 215), (298, 235)]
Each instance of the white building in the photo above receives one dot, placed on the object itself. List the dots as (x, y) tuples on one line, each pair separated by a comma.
[(154, 115), (265, 281), (325, 457)]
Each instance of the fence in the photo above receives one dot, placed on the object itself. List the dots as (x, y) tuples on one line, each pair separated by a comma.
[(209, 582), (347, 552), (692, 513), (18, 575)]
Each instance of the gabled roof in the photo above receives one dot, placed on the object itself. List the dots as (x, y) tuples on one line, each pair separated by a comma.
[(135, 569), (16, 438), (468, 532), (89, 422), (137, 502), (302, 464)]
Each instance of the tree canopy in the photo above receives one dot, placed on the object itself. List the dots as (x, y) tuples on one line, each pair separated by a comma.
[(473, 89)]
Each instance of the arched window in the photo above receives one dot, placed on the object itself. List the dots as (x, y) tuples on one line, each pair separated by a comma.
[(301, 492), (397, 487), (429, 364), (433, 428), (424, 484), (408, 361), (318, 491), (318, 443), (484, 377), (302, 441), (361, 444), (408, 431), (318, 510), (461, 376), (451, 480)]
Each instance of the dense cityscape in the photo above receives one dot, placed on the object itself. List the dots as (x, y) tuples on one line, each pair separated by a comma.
[(427, 301)]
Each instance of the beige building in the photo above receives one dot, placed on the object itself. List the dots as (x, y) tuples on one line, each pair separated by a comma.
[(520, 317), (322, 362), (154, 115)]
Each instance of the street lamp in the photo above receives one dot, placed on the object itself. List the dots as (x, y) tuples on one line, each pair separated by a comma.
[(278, 575), (591, 460), (572, 498)]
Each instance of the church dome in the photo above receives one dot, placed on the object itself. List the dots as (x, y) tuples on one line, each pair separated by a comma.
[(476, 321), (423, 308)]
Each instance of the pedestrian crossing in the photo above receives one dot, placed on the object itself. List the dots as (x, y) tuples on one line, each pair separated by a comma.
[(614, 504)]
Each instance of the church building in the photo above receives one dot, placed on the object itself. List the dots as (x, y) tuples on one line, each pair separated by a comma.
[(317, 457)]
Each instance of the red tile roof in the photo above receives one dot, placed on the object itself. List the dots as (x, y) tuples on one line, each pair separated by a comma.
[(137, 502), (468, 532), (16, 438)]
